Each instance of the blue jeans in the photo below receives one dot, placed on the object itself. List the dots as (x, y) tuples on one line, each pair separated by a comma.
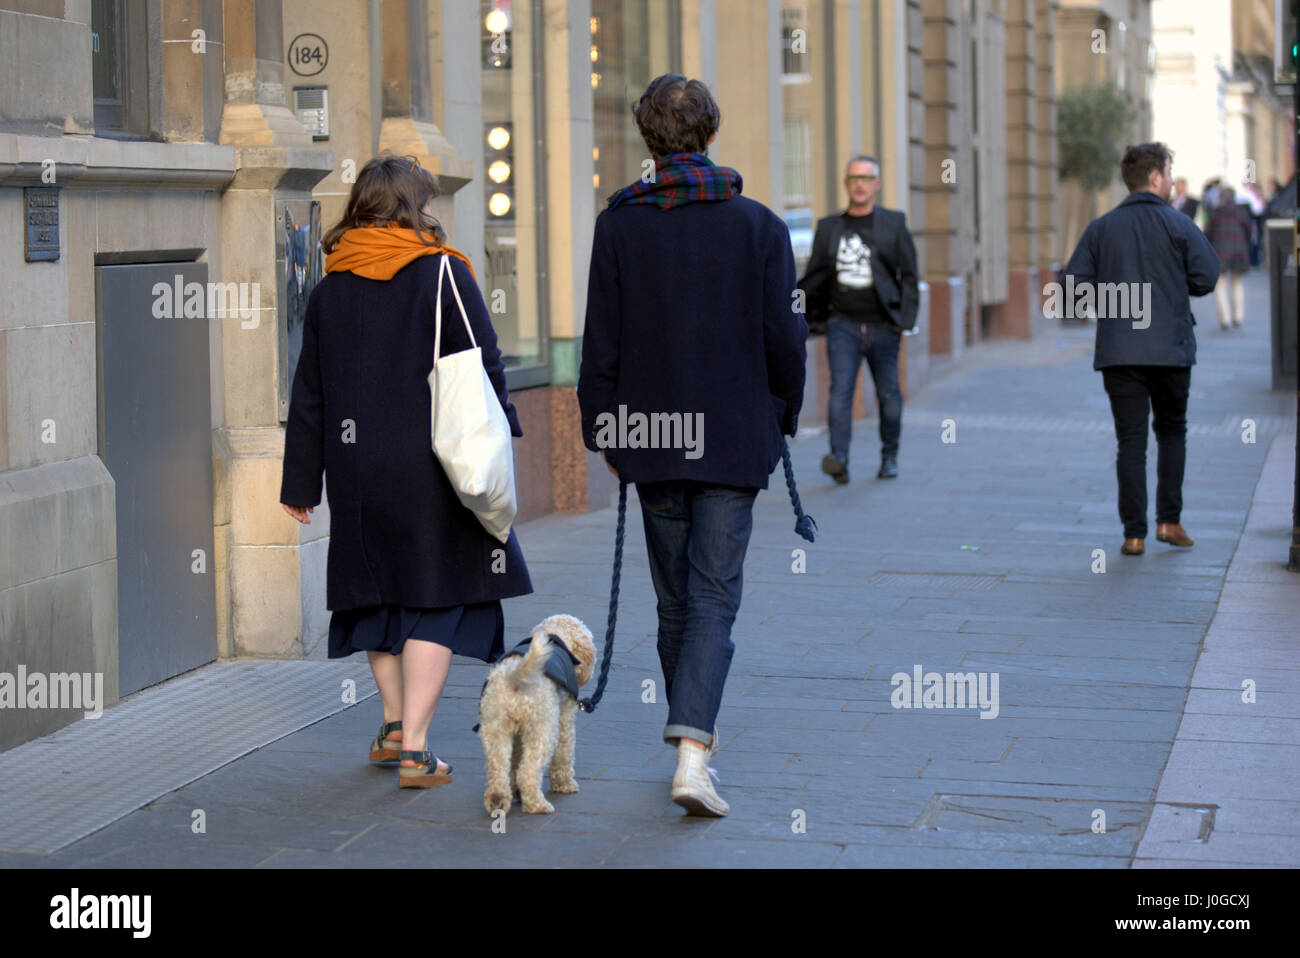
[(847, 341), (696, 535)]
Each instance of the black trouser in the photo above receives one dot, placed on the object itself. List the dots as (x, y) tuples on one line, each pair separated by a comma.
[(1134, 392)]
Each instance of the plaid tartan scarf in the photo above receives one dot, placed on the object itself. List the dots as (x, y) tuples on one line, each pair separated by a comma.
[(681, 178)]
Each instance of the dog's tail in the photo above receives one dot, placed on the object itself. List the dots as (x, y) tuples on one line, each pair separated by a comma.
[(530, 670)]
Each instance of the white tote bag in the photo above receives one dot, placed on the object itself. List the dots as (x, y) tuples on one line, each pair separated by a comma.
[(470, 432)]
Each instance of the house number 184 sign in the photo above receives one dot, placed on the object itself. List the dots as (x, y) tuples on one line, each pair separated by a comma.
[(308, 54)]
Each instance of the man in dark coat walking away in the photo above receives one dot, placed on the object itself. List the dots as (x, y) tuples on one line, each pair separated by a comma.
[(861, 286), (692, 368), (1136, 266)]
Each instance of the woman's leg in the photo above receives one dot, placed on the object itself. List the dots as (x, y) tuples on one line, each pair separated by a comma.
[(387, 670), (424, 672), (1221, 303)]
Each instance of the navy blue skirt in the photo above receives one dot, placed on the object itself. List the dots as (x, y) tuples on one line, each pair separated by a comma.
[(476, 630)]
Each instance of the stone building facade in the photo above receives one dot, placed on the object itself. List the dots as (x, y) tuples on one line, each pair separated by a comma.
[(1103, 42), (175, 169), (1245, 135)]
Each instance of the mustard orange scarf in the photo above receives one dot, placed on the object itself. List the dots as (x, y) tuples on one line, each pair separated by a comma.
[(379, 252)]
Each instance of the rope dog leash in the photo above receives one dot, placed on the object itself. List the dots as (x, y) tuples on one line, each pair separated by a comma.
[(589, 704), (805, 525)]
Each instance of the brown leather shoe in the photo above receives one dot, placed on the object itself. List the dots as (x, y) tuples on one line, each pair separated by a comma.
[(1173, 533), (1132, 547)]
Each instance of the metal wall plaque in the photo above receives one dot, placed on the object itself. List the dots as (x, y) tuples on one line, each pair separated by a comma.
[(41, 215)]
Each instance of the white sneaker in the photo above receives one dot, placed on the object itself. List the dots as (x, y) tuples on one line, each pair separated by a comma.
[(693, 786)]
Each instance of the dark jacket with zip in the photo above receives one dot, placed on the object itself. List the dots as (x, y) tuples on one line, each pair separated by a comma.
[(891, 248), (398, 532), (1144, 240)]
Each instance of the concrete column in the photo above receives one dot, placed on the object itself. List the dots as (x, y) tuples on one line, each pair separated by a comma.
[(700, 42), (1017, 318), (255, 113), (183, 59), (750, 96), (826, 93), (1240, 107), (900, 113), (1048, 214), (941, 171), (850, 82), (258, 545), (569, 136), (407, 127), (458, 110)]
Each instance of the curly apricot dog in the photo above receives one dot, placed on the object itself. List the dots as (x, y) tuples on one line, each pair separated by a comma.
[(527, 713)]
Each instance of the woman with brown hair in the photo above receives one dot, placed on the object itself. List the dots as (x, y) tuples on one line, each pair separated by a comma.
[(406, 560)]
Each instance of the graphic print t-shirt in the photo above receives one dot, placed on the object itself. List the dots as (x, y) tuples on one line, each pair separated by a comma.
[(855, 287)]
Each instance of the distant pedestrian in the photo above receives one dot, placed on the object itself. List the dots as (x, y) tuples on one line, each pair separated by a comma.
[(1182, 201), (1229, 233), (1158, 257), (412, 574), (1253, 200), (691, 318), (861, 283), (1282, 204), (1209, 198)]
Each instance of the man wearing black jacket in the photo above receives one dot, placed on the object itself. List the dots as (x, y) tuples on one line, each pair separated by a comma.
[(1147, 259), (692, 368), (861, 286), (1182, 201)]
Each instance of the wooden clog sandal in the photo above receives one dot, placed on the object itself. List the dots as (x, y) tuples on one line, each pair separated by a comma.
[(383, 748), (426, 773)]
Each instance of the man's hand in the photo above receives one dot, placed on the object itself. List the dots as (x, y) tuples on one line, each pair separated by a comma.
[(299, 512)]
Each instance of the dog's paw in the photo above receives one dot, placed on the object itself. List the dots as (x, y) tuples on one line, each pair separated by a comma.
[(496, 801), (563, 787), (535, 806)]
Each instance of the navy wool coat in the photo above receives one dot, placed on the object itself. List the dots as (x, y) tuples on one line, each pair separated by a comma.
[(1145, 240), (691, 310), (360, 412)]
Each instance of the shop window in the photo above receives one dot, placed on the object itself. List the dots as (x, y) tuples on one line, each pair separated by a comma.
[(513, 184), (632, 42), (119, 67), (795, 66)]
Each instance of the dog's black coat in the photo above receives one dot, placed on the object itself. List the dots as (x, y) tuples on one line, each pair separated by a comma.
[(559, 668)]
